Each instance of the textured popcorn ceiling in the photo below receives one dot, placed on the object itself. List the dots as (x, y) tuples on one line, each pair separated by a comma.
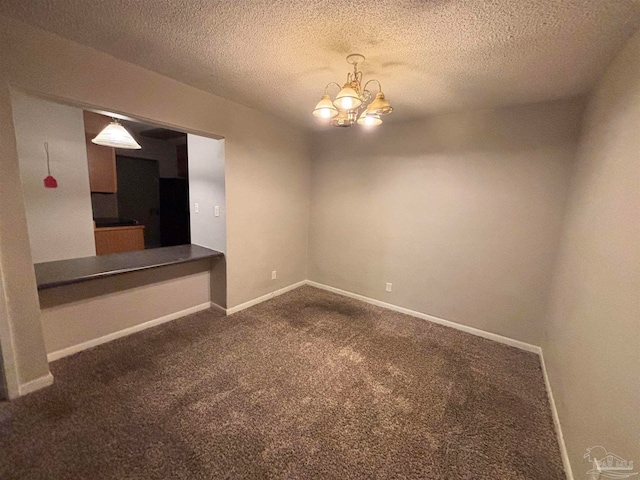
[(431, 56)]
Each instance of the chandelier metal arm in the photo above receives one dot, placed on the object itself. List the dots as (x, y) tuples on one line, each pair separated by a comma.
[(372, 80), (331, 83)]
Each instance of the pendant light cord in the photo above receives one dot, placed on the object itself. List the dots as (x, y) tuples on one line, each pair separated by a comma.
[(46, 149)]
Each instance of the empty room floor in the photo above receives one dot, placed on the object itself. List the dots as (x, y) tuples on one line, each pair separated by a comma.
[(307, 385)]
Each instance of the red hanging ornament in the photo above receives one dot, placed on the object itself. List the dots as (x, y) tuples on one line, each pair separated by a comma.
[(49, 181)]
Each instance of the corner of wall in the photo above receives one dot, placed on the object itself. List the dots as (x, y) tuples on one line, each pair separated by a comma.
[(23, 350)]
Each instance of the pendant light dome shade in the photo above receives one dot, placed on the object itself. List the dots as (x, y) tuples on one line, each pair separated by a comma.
[(115, 135), (324, 108), (347, 99), (380, 106)]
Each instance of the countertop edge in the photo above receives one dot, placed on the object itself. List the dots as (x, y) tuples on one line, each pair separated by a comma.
[(120, 271)]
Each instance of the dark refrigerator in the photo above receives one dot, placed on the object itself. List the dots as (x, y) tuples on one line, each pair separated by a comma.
[(174, 212)]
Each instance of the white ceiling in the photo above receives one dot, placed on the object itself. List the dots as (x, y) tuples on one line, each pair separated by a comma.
[(431, 56)]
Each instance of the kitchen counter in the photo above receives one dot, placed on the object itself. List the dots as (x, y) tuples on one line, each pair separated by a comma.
[(65, 272), (101, 222)]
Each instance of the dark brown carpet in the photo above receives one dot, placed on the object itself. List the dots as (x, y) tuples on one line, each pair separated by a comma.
[(307, 385)]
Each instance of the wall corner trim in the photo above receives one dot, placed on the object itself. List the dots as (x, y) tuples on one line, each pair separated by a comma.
[(440, 321), (36, 384), (218, 308), (65, 352), (266, 297), (556, 421)]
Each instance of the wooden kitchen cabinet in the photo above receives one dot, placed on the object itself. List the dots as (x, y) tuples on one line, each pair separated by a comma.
[(102, 167), (102, 160), (119, 239)]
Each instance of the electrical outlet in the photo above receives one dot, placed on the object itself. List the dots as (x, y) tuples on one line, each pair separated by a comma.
[(273, 275), (216, 211), (196, 207), (388, 287)]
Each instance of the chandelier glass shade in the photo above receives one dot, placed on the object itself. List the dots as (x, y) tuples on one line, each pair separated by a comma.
[(354, 103), (380, 106), (369, 119), (348, 98), (325, 108)]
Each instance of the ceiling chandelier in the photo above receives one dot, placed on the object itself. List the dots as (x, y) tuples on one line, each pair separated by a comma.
[(354, 103)]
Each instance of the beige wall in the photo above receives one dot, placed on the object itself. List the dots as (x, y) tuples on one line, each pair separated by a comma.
[(76, 314), (592, 338), (267, 175), (461, 213), (60, 219)]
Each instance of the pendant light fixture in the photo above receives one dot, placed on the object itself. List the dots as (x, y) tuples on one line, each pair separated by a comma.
[(351, 98), (115, 135)]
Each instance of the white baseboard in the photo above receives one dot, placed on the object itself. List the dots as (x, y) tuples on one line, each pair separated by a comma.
[(65, 352), (219, 308), (263, 298), (36, 384), (556, 421), (474, 331)]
